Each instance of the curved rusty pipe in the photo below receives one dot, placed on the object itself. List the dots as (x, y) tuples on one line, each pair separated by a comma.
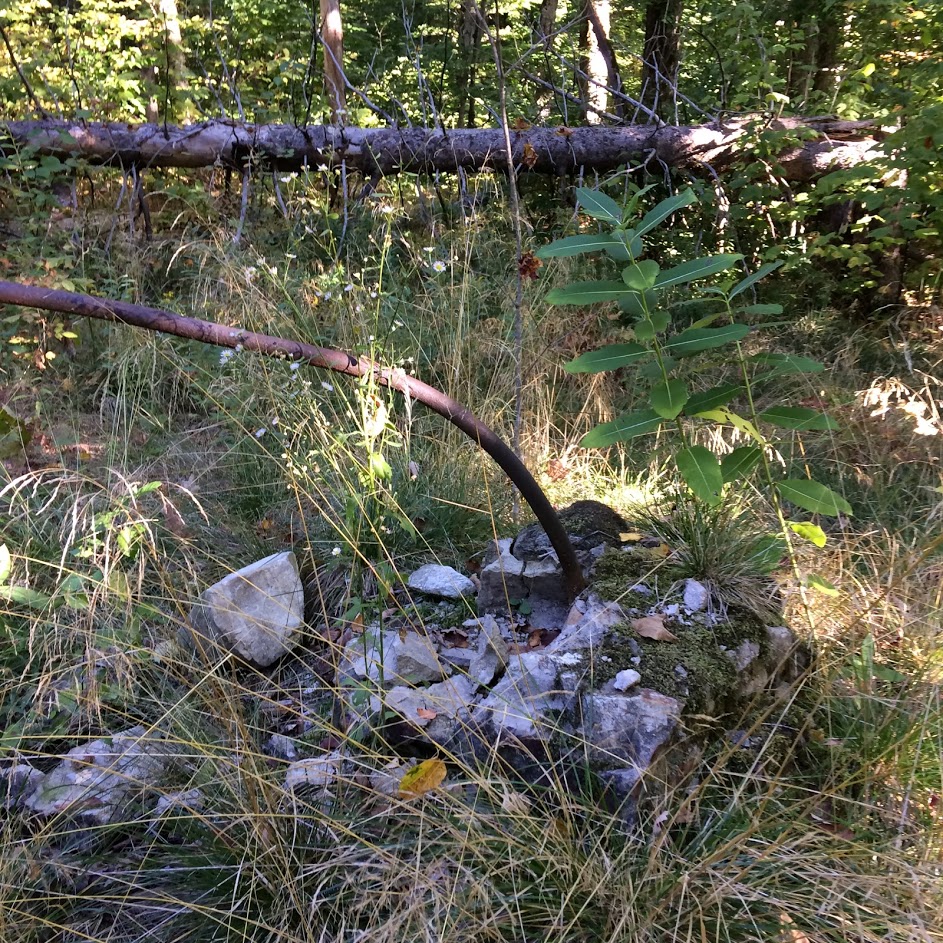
[(156, 319)]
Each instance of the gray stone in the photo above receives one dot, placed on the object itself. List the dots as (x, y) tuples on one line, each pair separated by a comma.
[(281, 747), (318, 772), (436, 711), (540, 582), (433, 579), (587, 523), (256, 613), (492, 655), (523, 703), (628, 730), (626, 679), (416, 661), (17, 783), (191, 800), (588, 623), (696, 596), (458, 658), (96, 780), (370, 656)]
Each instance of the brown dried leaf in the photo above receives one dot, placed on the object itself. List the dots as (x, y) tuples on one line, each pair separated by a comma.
[(530, 155), (426, 713), (653, 627)]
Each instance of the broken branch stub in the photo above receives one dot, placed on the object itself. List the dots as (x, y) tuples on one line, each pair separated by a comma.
[(208, 332)]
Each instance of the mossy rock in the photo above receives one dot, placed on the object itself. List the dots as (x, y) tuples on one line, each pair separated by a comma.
[(588, 524), (618, 570)]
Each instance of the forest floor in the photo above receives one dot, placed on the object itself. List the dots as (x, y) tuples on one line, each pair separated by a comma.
[(144, 468)]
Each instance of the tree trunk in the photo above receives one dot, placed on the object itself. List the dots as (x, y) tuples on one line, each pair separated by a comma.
[(707, 148), (814, 67), (332, 36), (661, 56), (598, 62), (469, 44)]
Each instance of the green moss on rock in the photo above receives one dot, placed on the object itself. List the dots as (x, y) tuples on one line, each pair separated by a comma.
[(618, 570)]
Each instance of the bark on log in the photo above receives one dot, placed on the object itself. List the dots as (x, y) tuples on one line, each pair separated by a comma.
[(209, 332), (831, 144)]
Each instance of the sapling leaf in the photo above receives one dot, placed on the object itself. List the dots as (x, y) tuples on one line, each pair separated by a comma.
[(660, 321), (711, 399), (578, 245), (653, 370), (798, 417), (640, 276), (638, 305), (659, 213), (696, 268), (599, 205), (6, 563), (622, 429), (668, 398), (808, 530), (586, 293), (740, 462), (699, 468), (813, 497), (626, 246), (644, 329), (20, 595), (751, 280), (610, 357), (784, 364), (694, 340)]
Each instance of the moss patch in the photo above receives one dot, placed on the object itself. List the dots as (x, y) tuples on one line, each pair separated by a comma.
[(618, 570)]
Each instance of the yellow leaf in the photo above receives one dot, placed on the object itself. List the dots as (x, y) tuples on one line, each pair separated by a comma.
[(421, 779), (653, 627), (630, 537)]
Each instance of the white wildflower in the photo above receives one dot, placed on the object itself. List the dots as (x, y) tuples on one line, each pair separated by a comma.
[(438, 266), (259, 432), (225, 357), (327, 386), (294, 366), (336, 552)]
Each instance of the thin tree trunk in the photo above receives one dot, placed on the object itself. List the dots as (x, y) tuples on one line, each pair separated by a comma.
[(599, 59), (209, 332), (332, 36), (661, 56), (469, 44)]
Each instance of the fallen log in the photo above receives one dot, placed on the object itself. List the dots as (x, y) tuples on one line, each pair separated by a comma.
[(209, 332), (819, 145)]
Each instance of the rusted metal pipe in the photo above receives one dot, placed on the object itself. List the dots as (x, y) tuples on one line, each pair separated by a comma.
[(208, 332)]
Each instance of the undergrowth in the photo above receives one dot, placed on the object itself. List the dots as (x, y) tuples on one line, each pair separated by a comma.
[(157, 466)]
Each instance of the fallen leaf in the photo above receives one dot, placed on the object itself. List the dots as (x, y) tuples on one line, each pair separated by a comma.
[(521, 124), (528, 264), (455, 639), (653, 627), (426, 714), (534, 639), (631, 537), (530, 156), (515, 803), (564, 131), (421, 779)]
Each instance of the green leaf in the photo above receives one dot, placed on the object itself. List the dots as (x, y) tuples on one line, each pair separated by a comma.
[(751, 280), (653, 370), (668, 398), (740, 462), (797, 417), (625, 246), (711, 399), (783, 364), (822, 585), (813, 497), (577, 245), (621, 429), (638, 305), (586, 293), (696, 339), (700, 470), (768, 552), (640, 276), (22, 596), (695, 269), (6, 563), (610, 357), (659, 213), (808, 530), (599, 206)]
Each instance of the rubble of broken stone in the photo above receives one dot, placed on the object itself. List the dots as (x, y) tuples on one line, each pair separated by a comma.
[(518, 677)]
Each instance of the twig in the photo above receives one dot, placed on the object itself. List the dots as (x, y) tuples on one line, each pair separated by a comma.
[(29, 88), (245, 204), (537, 80)]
